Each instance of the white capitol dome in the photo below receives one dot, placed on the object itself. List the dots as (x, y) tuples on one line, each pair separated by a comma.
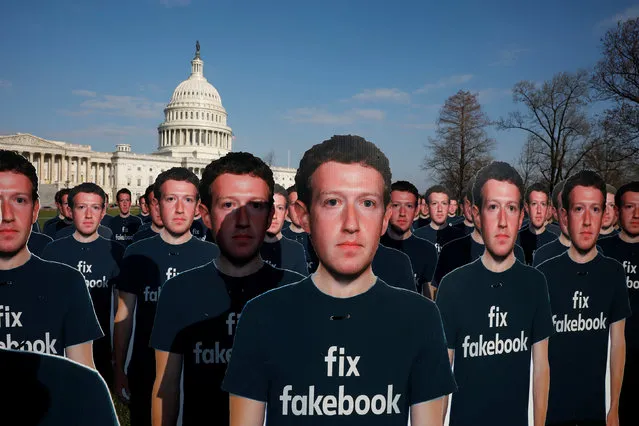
[(195, 120)]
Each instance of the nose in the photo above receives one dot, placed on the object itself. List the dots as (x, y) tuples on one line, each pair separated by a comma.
[(587, 217), (242, 217), (502, 218), (6, 211), (350, 218), (179, 205)]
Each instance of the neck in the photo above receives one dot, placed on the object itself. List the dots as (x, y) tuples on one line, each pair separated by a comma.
[(144, 214), (174, 239), (495, 264), (537, 231), (476, 236), (423, 216), (398, 235), (451, 215), (564, 240), (125, 215), (297, 229), (628, 238), (229, 268), (468, 224), (437, 227), (606, 231), (82, 238), (272, 238), (18, 259), (60, 216), (582, 257), (340, 286), (155, 228)]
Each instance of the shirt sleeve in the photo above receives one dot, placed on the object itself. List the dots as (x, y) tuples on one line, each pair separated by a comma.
[(620, 308), (80, 322), (542, 323), (431, 375), (246, 375), (446, 303), (168, 319)]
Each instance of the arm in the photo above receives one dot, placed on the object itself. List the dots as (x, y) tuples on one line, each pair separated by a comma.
[(444, 405), (427, 413), (617, 363), (541, 381), (246, 412), (166, 389), (121, 336), (82, 353), (432, 290)]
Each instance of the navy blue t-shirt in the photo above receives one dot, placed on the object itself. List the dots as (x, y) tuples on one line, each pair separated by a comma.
[(106, 220), (124, 228), (147, 264), (198, 229), (422, 254), (196, 317), (103, 231), (317, 360), (35, 227), (144, 218), (554, 228), (52, 226), (46, 307), (612, 234), (440, 236), (312, 262), (492, 320), (466, 230), (628, 255), (585, 298), (144, 232), (421, 222), (394, 268), (461, 252), (285, 254), (57, 391), (531, 242), (454, 220), (37, 242)]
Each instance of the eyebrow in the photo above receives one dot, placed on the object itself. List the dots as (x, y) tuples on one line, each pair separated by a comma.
[(365, 194)]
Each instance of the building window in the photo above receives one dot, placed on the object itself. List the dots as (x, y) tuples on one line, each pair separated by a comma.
[(128, 182), (197, 115), (191, 115), (139, 182), (139, 169)]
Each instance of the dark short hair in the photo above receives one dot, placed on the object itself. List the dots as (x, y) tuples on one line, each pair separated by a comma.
[(344, 149), (436, 189), (88, 188), (628, 187), (405, 186), (587, 178), (235, 163), (13, 162), (611, 189), (536, 187), (61, 193), (556, 191), (291, 189), (122, 191), (499, 171), (180, 174), (279, 189), (147, 192)]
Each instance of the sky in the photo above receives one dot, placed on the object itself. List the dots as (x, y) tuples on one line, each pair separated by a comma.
[(290, 73)]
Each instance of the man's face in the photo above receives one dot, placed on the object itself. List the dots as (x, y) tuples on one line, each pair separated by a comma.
[(629, 213), (279, 213), (154, 211), (610, 213), (468, 210), (18, 212), (124, 204), (584, 216), (347, 216), (292, 213), (424, 208), (144, 208), (239, 216), (452, 207), (500, 217), (177, 205), (537, 207), (88, 210), (65, 209), (438, 207), (403, 208)]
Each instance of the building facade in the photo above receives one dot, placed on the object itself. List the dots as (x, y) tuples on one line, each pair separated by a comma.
[(194, 132)]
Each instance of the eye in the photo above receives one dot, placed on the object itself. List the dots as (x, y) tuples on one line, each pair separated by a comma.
[(331, 202), (227, 205), (369, 203), (257, 205), (512, 208)]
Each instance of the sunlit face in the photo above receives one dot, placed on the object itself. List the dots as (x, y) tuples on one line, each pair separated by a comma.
[(154, 211), (610, 212), (65, 209), (584, 216), (239, 216), (438, 203), (347, 216), (279, 213), (144, 208), (403, 208), (124, 204), (292, 213), (88, 210), (500, 217), (178, 203), (452, 207), (18, 212), (537, 208), (629, 213)]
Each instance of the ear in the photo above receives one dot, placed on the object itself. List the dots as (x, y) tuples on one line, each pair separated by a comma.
[(36, 211), (475, 211), (269, 219), (303, 215), (521, 219), (563, 217), (526, 208), (206, 218), (387, 215)]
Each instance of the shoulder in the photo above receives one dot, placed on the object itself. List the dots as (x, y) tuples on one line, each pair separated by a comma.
[(460, 277), (549, 265), (425, 244), (143, 246), (454, 244), (192, 278), (282, 276), (291, 243), (63, 274), (205, 248), (40, 236), (531, 274), (288, 295), (610, 264)]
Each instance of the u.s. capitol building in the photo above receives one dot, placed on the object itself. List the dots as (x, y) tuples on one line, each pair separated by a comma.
[(193, 133)]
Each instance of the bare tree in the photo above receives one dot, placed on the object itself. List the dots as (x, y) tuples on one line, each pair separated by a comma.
[(461, 146), (526, 163), (556, 123), (269, 158)]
